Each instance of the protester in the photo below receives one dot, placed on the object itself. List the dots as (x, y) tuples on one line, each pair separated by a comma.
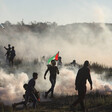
[(12, 55), (25, 86), (30, 92), (53, 73), (8, 52), (80, 84)]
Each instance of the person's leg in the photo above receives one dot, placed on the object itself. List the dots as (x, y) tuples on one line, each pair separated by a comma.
[(7, 59), (27, 95), (78, 99), (16, 104), (81, 96), (52, 88), (19, 103), (82, 106), (83, 93), (34, 99), (12, 62), (76, 102)]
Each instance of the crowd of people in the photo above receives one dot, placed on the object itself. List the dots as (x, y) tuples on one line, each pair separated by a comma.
[(32, 95)]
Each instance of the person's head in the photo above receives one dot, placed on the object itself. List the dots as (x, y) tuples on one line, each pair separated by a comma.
[(35, 75), (25, 86), (53, 62), (8, 45), (12, 47), (74, 61), (59, 58), (86, 63)]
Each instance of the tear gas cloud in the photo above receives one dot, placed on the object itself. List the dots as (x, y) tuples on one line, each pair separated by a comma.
[(79, 43), (11, 85)]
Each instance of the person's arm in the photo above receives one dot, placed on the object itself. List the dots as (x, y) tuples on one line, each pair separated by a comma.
[(5, 48), (57, 71), (5, 53), (89, 79), (76, 81), (46, 73)]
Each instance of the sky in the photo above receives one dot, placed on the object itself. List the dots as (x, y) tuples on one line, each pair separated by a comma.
[(59, 11)]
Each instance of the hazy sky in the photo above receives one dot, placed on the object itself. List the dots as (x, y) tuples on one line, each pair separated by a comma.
[(60, 11)]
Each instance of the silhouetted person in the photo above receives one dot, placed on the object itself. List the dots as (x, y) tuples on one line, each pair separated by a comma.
[(43, 59), (8, 52), (25, 86), (53, 73), (12, 55), (30, 92), (80, 84), (59, 64), (73, 63)]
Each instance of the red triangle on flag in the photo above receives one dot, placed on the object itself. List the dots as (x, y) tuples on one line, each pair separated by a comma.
[(56, 57)]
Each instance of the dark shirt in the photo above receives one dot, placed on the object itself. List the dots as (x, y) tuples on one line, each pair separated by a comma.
[(53, 71), (13, 54), (8, 50), (31, 85), (83, 75)]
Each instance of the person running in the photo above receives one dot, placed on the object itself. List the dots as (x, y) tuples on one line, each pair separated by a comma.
[(12, 55), (80, 84), (8, 52), (30, 92), (25, 86), (53, 72)]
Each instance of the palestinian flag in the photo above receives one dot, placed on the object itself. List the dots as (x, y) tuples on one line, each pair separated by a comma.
[(55, 57)]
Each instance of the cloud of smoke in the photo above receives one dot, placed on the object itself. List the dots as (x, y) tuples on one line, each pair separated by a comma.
[(78, 41), (66, 82), (81, 42), (11, 86)]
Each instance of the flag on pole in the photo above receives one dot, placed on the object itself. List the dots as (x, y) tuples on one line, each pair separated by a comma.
[(55, 57)]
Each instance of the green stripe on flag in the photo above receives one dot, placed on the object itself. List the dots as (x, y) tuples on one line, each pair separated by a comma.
[(49, 60)]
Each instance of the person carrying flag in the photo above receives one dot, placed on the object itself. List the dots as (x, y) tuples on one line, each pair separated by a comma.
[(53, 69), (55, 57)]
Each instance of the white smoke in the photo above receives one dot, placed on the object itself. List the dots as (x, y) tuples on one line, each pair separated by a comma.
[(79, 43), (11, 85), (66, 82)]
